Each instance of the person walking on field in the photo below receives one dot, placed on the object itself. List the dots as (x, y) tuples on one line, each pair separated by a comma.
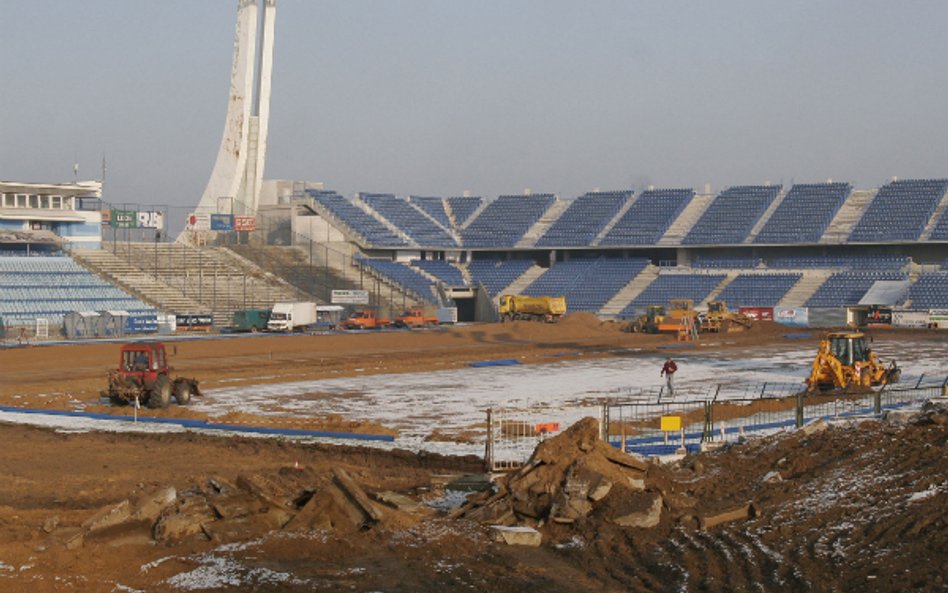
[(668, 371)]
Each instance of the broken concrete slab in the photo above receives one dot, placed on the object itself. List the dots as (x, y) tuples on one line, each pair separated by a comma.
[(49, 525), (647, 519), (398, 501), (516, 535), (817, 426), (109, 516), (745, 511), (72, 538), (357, 494), (150, 506)]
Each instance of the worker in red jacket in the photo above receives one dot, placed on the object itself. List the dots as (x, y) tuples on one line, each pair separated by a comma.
[(668, 371)]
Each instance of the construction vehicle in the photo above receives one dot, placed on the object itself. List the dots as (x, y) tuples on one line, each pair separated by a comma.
[(414, 318), (719, 319), (144, 377), (648, 323), (845, 361), (540, 308), (365, 319)]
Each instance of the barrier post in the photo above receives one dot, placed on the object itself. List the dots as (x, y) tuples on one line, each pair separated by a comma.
[(799, 410)]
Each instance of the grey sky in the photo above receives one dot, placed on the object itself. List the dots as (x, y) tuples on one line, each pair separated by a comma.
[(439, 96)]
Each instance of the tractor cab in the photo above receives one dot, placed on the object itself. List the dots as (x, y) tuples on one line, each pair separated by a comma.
[(143, 361), (848, 348)]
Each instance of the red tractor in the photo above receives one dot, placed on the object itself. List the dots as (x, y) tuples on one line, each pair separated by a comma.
[(144, 377)]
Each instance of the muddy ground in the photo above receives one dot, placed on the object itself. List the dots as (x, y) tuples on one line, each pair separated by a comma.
[(858, 506)]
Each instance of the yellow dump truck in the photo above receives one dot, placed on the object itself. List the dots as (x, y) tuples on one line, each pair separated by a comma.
[(541, 308)]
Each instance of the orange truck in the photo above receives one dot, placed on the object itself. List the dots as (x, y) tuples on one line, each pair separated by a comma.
[(365, 319), (415, 318)]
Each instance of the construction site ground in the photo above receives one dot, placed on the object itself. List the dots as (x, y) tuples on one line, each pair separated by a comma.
[(859, 505)]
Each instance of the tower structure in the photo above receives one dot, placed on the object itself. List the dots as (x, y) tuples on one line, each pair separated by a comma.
[(234, 185)]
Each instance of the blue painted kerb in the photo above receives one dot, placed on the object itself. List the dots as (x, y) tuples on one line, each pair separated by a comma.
[(204, 424)]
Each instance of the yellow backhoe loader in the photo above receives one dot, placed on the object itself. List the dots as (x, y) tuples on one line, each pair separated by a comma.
[(844, 361)]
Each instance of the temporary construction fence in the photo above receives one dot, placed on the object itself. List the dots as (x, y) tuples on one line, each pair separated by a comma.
[(668, 426)]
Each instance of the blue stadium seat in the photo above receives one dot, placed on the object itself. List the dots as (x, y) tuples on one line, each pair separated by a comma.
[(50, 287), (582, 222), (674, 286), (503, 222), (496, 275), (647, 220), (900, 211), (359, 222), (804, 214), (587, 284), (847, 288), (412, 221), (731, 216), (758, 290), (402, 275)]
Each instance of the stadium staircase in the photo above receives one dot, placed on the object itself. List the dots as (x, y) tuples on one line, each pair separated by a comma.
[(713, 295), (212, 278), (520, 284), (936, 216), (687, 219), (395, 230), (849, 214), (132, 279), (625, 296), (534, 233), (806, 287), (765, 217), (615, 219)]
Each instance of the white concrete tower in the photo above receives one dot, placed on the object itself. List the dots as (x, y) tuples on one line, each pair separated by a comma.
[(234, 186)]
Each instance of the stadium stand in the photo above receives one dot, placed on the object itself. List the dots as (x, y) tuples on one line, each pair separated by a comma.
[(359, 222), (587, 284), (582, 222), (435, 208), (496, 275), (871, 262), (726, 262), (401, 275), (930, 291), (674, 286), (462, 207), (804, 214), (731, 216), (900, 211), (410, 220), (505, 221), (442, 270), (649, 217), (758, 290), (847, 288), (50, 287), (940, 231)]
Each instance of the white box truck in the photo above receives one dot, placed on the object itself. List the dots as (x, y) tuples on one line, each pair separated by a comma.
[(288, 317)]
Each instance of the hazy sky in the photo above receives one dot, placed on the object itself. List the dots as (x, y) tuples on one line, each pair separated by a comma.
[(435, 97)]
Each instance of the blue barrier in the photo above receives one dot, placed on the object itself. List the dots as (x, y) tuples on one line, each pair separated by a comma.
[(494, 363), (204, 424)]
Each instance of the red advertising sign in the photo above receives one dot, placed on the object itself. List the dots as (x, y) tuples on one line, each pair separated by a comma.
[(245, 223), (758, 313)]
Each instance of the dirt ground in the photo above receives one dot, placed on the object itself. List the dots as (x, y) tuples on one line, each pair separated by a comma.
[(855, 507)]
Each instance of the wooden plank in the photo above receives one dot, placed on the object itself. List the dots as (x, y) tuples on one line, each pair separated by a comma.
[(357, 494)]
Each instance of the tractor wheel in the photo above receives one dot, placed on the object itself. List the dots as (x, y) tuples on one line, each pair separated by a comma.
[(160, 394), (182, 392)]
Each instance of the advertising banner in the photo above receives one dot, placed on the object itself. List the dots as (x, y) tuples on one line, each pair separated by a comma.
[(151, 220), (919, 319), (350, 297), (758, 313), (124, 219), (245, 223), (199, 222), (222, 222), (938, 318), (791, 315)]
